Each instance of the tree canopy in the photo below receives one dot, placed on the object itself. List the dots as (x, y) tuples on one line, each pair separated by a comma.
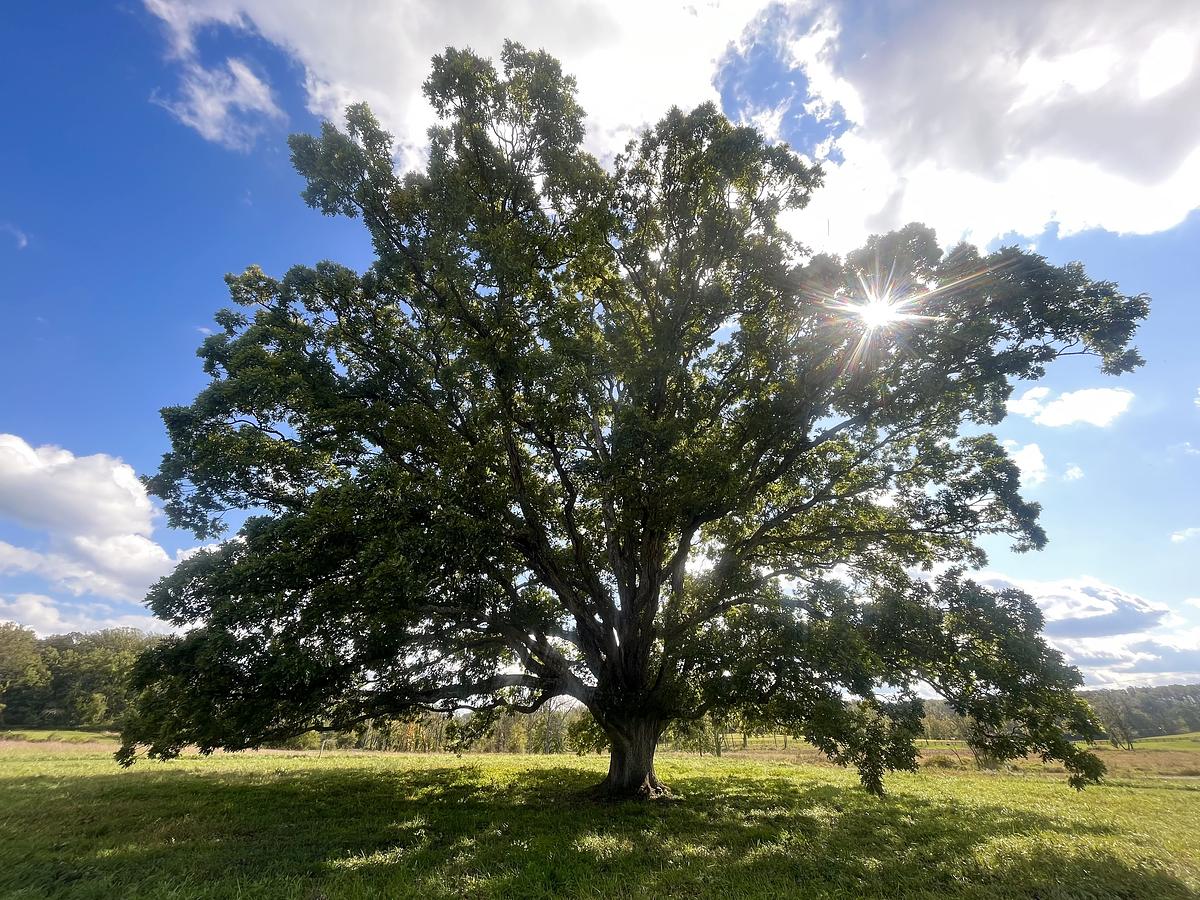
[(611, 432), (20, 662)]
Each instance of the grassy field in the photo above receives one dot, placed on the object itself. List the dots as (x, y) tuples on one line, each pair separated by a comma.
[(378, 825), (1189, 741), (65, 736)]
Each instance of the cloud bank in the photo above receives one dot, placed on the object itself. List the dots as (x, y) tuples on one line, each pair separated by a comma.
[(1116, 638), (47, 615), (983, 121)]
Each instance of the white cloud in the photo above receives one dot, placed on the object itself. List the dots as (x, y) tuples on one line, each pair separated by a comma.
[(1166, 64), (94, 513), (1143, 660), (1085, 607), (1029, 403), (1197, 400), (981, 121), (1193, 601), (1093, 406), (121, 567), (17, 234), (1113, 636), (987, 121), (632, 60), (47, 616), (51, 489), (1184, 534), (768, 120), (1073, 473), (1030, 460), (228, 105)]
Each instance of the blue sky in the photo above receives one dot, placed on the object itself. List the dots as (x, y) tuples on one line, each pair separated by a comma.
[(144, 157)]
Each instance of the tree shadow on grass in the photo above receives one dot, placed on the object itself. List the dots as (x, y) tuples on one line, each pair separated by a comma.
[(473, 830)]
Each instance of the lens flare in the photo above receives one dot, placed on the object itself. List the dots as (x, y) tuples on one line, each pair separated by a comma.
[(879, 312), (879, 303)]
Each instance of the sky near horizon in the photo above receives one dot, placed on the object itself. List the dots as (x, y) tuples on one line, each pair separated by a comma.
[(144, 156)]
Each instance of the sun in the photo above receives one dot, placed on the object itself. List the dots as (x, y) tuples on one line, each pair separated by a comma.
[(879, 305), (879, 311)]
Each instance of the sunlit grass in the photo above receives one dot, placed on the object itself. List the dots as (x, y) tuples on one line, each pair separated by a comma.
[(258, 825)]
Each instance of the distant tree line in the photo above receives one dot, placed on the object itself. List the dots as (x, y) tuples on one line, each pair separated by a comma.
[(82, 680), (1140, 712), (560, 726), (67, 680), (1126, 714)]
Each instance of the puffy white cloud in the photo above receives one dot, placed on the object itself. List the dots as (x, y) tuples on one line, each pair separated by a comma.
[(1092, 406), (1146, 660), (1030, 460), (632, 60), (985, 121), (1073, 473), (1113, 636), (1029, 403), (122, 567), (47, 616), (1184, 534), (1166, 64), (48, 488), (1193, 601), (1173, 657), (94, 514), (1086, 607)]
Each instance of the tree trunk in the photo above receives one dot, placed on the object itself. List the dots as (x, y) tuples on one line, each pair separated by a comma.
[(631, 762)]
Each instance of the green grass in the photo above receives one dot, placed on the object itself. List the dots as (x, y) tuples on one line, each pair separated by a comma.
[(1189, 741), (349, 826)]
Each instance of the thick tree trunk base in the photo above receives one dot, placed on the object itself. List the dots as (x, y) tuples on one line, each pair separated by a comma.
[(649, 788), (631, 766)]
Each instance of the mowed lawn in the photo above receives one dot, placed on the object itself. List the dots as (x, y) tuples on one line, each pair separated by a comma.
[(377, 825)]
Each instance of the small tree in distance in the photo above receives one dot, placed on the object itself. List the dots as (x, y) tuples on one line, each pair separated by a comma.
[(612, 434)]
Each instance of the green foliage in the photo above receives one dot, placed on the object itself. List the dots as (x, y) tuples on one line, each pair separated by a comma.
[(607, 433), (307, 740), (21, 663), (73, 679), (352, 826), (584, 734)]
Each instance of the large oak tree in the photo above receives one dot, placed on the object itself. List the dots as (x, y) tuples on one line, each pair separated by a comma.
[(611, 432)]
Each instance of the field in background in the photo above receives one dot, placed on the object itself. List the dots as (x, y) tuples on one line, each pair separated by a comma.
[(356, 825), (1175, 755), (25, 740)]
